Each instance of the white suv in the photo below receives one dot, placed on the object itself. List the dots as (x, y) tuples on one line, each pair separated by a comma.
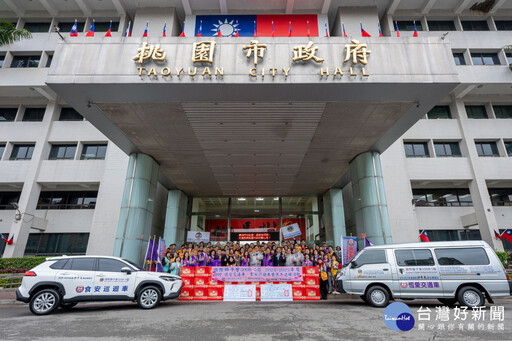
[(65, 281)]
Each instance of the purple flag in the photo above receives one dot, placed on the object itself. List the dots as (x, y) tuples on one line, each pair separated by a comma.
[(147, 259), (367, 242), (154, 253), (161, 247)]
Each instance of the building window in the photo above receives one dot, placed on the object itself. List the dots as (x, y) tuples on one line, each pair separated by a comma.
[(408, 25), (25, 61), (65, 200), (452, 235), (103, 26), (2, 59), (443, 197), (508, 54), (485, 58), (52, 244), (36, 27), (70, 114), (458, 57), (33, 114), (508, 148), (62, 152), (441, 25), (416, 149), (22, 152), (501, 196), (49, 60), (2, 149), (487, 149), (475, 25), (447, 149), (66, 26), (503, 25), (476, 111), (8, 114), (7, 199), (502, 111), (94, 152), (439, 112)]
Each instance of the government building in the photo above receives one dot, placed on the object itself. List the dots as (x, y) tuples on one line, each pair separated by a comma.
[(234, 119)]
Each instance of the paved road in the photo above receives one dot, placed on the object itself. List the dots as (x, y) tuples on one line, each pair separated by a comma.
[(341, 319)]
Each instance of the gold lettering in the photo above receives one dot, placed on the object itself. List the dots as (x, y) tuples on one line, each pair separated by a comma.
[(178, 72), (256, 49), (352, 72), (203, 52), (363, 72), (166, 72), (152, 71), (273, 70), (337, 72), (219, 71), (324, 72), (285, 72), (141, 68), (190, 72), (206, 71), (252, 72), (306, 53), (357, 51)]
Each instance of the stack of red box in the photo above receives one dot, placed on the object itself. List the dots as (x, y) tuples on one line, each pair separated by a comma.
[(311, 283), (187, 289)]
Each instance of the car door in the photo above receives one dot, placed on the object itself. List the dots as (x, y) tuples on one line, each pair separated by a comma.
[(369, 267), (418, 273), (77, 278), (110, 282)]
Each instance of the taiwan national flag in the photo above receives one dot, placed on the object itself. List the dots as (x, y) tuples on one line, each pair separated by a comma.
[(507, 234), (363, 32), (164, 34), (146, 30), (10, 241), (109, 32), (423, 236), (497, 235), (91, 31), (397, 30), (127, 33), (256, 25), (415, 34), (74, 30)]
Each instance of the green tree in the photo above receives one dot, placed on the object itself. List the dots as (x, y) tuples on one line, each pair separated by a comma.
[(9, 33)]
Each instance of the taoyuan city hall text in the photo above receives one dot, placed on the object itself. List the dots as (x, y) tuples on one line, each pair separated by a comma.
[(122, 120)]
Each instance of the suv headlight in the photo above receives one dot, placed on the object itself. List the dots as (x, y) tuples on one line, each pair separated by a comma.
[(169, 279)]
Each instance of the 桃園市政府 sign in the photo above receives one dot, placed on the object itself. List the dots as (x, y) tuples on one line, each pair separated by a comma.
[(353, 63)]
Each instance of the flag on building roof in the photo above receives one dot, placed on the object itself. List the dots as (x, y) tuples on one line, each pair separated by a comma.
[(397, 30), (497, 235), (423, 236), (146, 30), (109, 32), (507, 234), (10, 241), (164, 34), (367, 242), (200, 30), (183, 32), (74, 30), (415, 34), (127, 33), (91, 30), (309, 33), (380, 32), (290, 31), (363, 32), (326, 31), (344, 32)]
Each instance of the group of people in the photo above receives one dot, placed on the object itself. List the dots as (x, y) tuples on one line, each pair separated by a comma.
[(288, 253)]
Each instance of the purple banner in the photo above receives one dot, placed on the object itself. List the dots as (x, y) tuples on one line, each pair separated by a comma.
[(257, 274)]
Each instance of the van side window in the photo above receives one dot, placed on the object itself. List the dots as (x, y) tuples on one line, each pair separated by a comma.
[(418, 257), (467, 256), (371, 257)]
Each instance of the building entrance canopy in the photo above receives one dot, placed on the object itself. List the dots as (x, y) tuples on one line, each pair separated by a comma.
[(260, 116)]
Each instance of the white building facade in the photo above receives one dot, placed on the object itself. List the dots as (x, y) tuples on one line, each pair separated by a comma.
[(428, 122)]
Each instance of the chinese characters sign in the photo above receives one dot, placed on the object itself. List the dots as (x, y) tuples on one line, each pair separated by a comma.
[(257, 274)]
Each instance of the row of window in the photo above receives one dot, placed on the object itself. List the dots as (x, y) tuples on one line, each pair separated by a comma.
[(57, 151), (449, 25), (457, 197), (37, 114), (481, 58), (53, 244), (27, 60), (452, 149), (472, 111), (54, 200)]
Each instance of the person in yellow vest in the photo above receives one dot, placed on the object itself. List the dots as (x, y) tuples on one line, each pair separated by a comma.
[(334, 271)]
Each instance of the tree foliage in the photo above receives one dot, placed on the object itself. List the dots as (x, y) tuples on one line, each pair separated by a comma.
[(10, 34)]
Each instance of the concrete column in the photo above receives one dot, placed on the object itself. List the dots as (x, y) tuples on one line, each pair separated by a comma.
[(29, 197), (175, 218), (137, 205), (338, 215), (370, 204)]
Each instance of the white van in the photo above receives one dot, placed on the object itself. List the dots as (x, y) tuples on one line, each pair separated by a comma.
[(463, 271)]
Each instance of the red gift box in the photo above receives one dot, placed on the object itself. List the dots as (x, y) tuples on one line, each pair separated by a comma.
[(185, 271), (201, 293), (312, 292), (201, 280), (310, 270), (216, 293), (203, 270), (211, 281), (187, 294), (299, 292), (187, 281), (311, 280)]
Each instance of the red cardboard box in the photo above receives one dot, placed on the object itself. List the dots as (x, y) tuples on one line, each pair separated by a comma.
[(203, 270), (211, 281), (187, 281), (187, 294), (185, 271), (299, 292), (312, 292), (202, 280), (216, 293), (311, 280), (200, 293), (310, 270)]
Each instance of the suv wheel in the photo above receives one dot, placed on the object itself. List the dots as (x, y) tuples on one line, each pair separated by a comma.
[(44, 302), (377, 296), (471, 297), (149, 297)]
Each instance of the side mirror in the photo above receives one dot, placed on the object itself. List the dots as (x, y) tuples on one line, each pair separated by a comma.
[(126, 269), (353, 265)]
